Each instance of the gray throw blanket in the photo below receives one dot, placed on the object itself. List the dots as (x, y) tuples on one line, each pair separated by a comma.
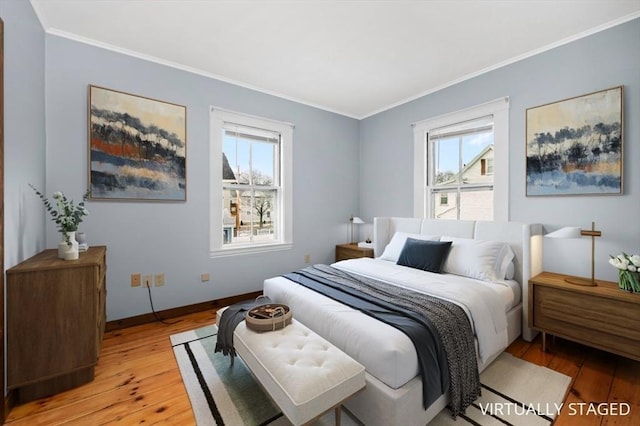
[(229, 320), (449, 320)]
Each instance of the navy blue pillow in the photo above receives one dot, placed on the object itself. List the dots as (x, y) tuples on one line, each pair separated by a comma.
[(423, 254)]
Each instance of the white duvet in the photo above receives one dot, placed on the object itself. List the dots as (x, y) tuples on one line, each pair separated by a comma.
[(480, 300), (387, 353)]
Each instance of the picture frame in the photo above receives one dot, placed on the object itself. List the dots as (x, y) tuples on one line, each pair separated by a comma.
[(575, 146), (137, 147)]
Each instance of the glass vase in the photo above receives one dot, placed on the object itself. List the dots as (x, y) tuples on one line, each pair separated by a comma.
[(629, 281)]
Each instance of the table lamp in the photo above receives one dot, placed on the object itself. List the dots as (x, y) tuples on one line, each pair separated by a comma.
[(354, 220), (575, 232)]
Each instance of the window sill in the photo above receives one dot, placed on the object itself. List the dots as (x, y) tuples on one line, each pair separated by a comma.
[(242, 250)]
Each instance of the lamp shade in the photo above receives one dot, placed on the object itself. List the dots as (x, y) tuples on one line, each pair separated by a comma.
[(575, 232), (357, 220), (566, 232)]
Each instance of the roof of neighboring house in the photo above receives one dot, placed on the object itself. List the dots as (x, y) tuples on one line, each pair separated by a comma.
[(227, 171), (473, 161)]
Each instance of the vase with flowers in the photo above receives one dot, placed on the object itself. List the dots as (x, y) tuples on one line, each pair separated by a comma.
[(67, 215), (628, 271)]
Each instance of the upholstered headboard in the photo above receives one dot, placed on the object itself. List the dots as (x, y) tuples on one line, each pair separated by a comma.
[(524, 239)]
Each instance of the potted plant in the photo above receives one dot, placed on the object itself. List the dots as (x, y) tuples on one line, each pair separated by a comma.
[(67, 216)]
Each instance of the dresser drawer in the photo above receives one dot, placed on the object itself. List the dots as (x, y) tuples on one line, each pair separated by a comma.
[(55, 321)]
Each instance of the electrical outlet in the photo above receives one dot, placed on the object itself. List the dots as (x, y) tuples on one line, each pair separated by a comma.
[(146, 280), (135, 280), (307, 258), (159, 279), (204, 277)]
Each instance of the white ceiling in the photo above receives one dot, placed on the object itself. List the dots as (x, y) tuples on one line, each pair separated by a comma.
[(352, 57)]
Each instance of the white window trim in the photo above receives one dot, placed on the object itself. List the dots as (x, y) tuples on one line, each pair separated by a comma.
[(499, 108), (219, 116)]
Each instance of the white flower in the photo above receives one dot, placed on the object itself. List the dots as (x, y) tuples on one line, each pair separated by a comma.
[(57, 195), (626, 262), (617, 263)]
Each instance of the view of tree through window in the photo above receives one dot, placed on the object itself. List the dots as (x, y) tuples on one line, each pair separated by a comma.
[(250, 180)]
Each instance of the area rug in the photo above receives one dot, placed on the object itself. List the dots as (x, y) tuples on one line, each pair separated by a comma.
[(514, 391)]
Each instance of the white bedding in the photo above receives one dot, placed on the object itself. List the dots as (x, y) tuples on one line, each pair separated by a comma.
[(480, 299), (387, 353), (507, 291)]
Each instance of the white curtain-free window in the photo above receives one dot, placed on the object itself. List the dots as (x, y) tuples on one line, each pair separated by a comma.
[(462, 157), (251, 165)]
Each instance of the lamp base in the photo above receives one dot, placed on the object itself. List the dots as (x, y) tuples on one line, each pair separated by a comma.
[(581, 281)]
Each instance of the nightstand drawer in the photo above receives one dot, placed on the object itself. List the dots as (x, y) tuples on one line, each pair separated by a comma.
[(601, 316), (587, 310), (352, 251)]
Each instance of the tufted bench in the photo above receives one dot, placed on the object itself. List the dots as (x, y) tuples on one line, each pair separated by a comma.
[(303, 373)]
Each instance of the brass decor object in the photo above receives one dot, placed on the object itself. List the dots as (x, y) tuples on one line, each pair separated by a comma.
[(593, 234)]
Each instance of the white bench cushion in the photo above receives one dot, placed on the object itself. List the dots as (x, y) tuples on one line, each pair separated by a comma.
[(303, 373)]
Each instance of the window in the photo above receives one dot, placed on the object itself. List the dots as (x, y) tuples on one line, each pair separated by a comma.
[(486, 166), (250, 184), (454, 163), (457, 170)]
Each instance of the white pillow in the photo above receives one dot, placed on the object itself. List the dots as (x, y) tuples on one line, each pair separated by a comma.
[(511, 271), (393, 249), (479, 259)]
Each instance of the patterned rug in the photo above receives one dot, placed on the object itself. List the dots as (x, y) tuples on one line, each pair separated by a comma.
[(514, 392)]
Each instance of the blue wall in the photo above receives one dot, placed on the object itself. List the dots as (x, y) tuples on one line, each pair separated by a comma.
[(341, 165), (173, 238), (24, 127), (606, 59)]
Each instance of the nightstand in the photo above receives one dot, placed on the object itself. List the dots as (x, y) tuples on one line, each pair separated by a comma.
[(352, 251), (603, 316)]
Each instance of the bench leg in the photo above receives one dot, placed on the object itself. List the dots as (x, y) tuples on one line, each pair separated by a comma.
[(338, 415)]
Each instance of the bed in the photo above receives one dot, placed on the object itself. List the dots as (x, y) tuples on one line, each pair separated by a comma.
[(494, 305)]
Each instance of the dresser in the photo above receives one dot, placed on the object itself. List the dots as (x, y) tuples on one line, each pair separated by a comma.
[(352, 251), (55, 322), (602, 316)]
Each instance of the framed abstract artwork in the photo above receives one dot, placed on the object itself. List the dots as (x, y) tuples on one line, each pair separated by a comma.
[(574, 146), (137, 147)]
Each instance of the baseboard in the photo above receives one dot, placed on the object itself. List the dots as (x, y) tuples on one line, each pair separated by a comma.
[(9, 403), (177, 312)]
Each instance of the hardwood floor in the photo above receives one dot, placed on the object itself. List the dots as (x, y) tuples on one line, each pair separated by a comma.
[(138, 381), (598, 377)]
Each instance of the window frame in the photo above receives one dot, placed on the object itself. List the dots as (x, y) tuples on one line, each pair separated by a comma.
[(499, 109), (219, 118)]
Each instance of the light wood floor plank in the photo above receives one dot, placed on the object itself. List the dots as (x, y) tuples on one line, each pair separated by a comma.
[(626, 389), (138, 381), (591, 385)]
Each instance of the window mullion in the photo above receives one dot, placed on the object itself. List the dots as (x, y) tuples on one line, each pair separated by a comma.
[(475, 187), (460, 179)]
